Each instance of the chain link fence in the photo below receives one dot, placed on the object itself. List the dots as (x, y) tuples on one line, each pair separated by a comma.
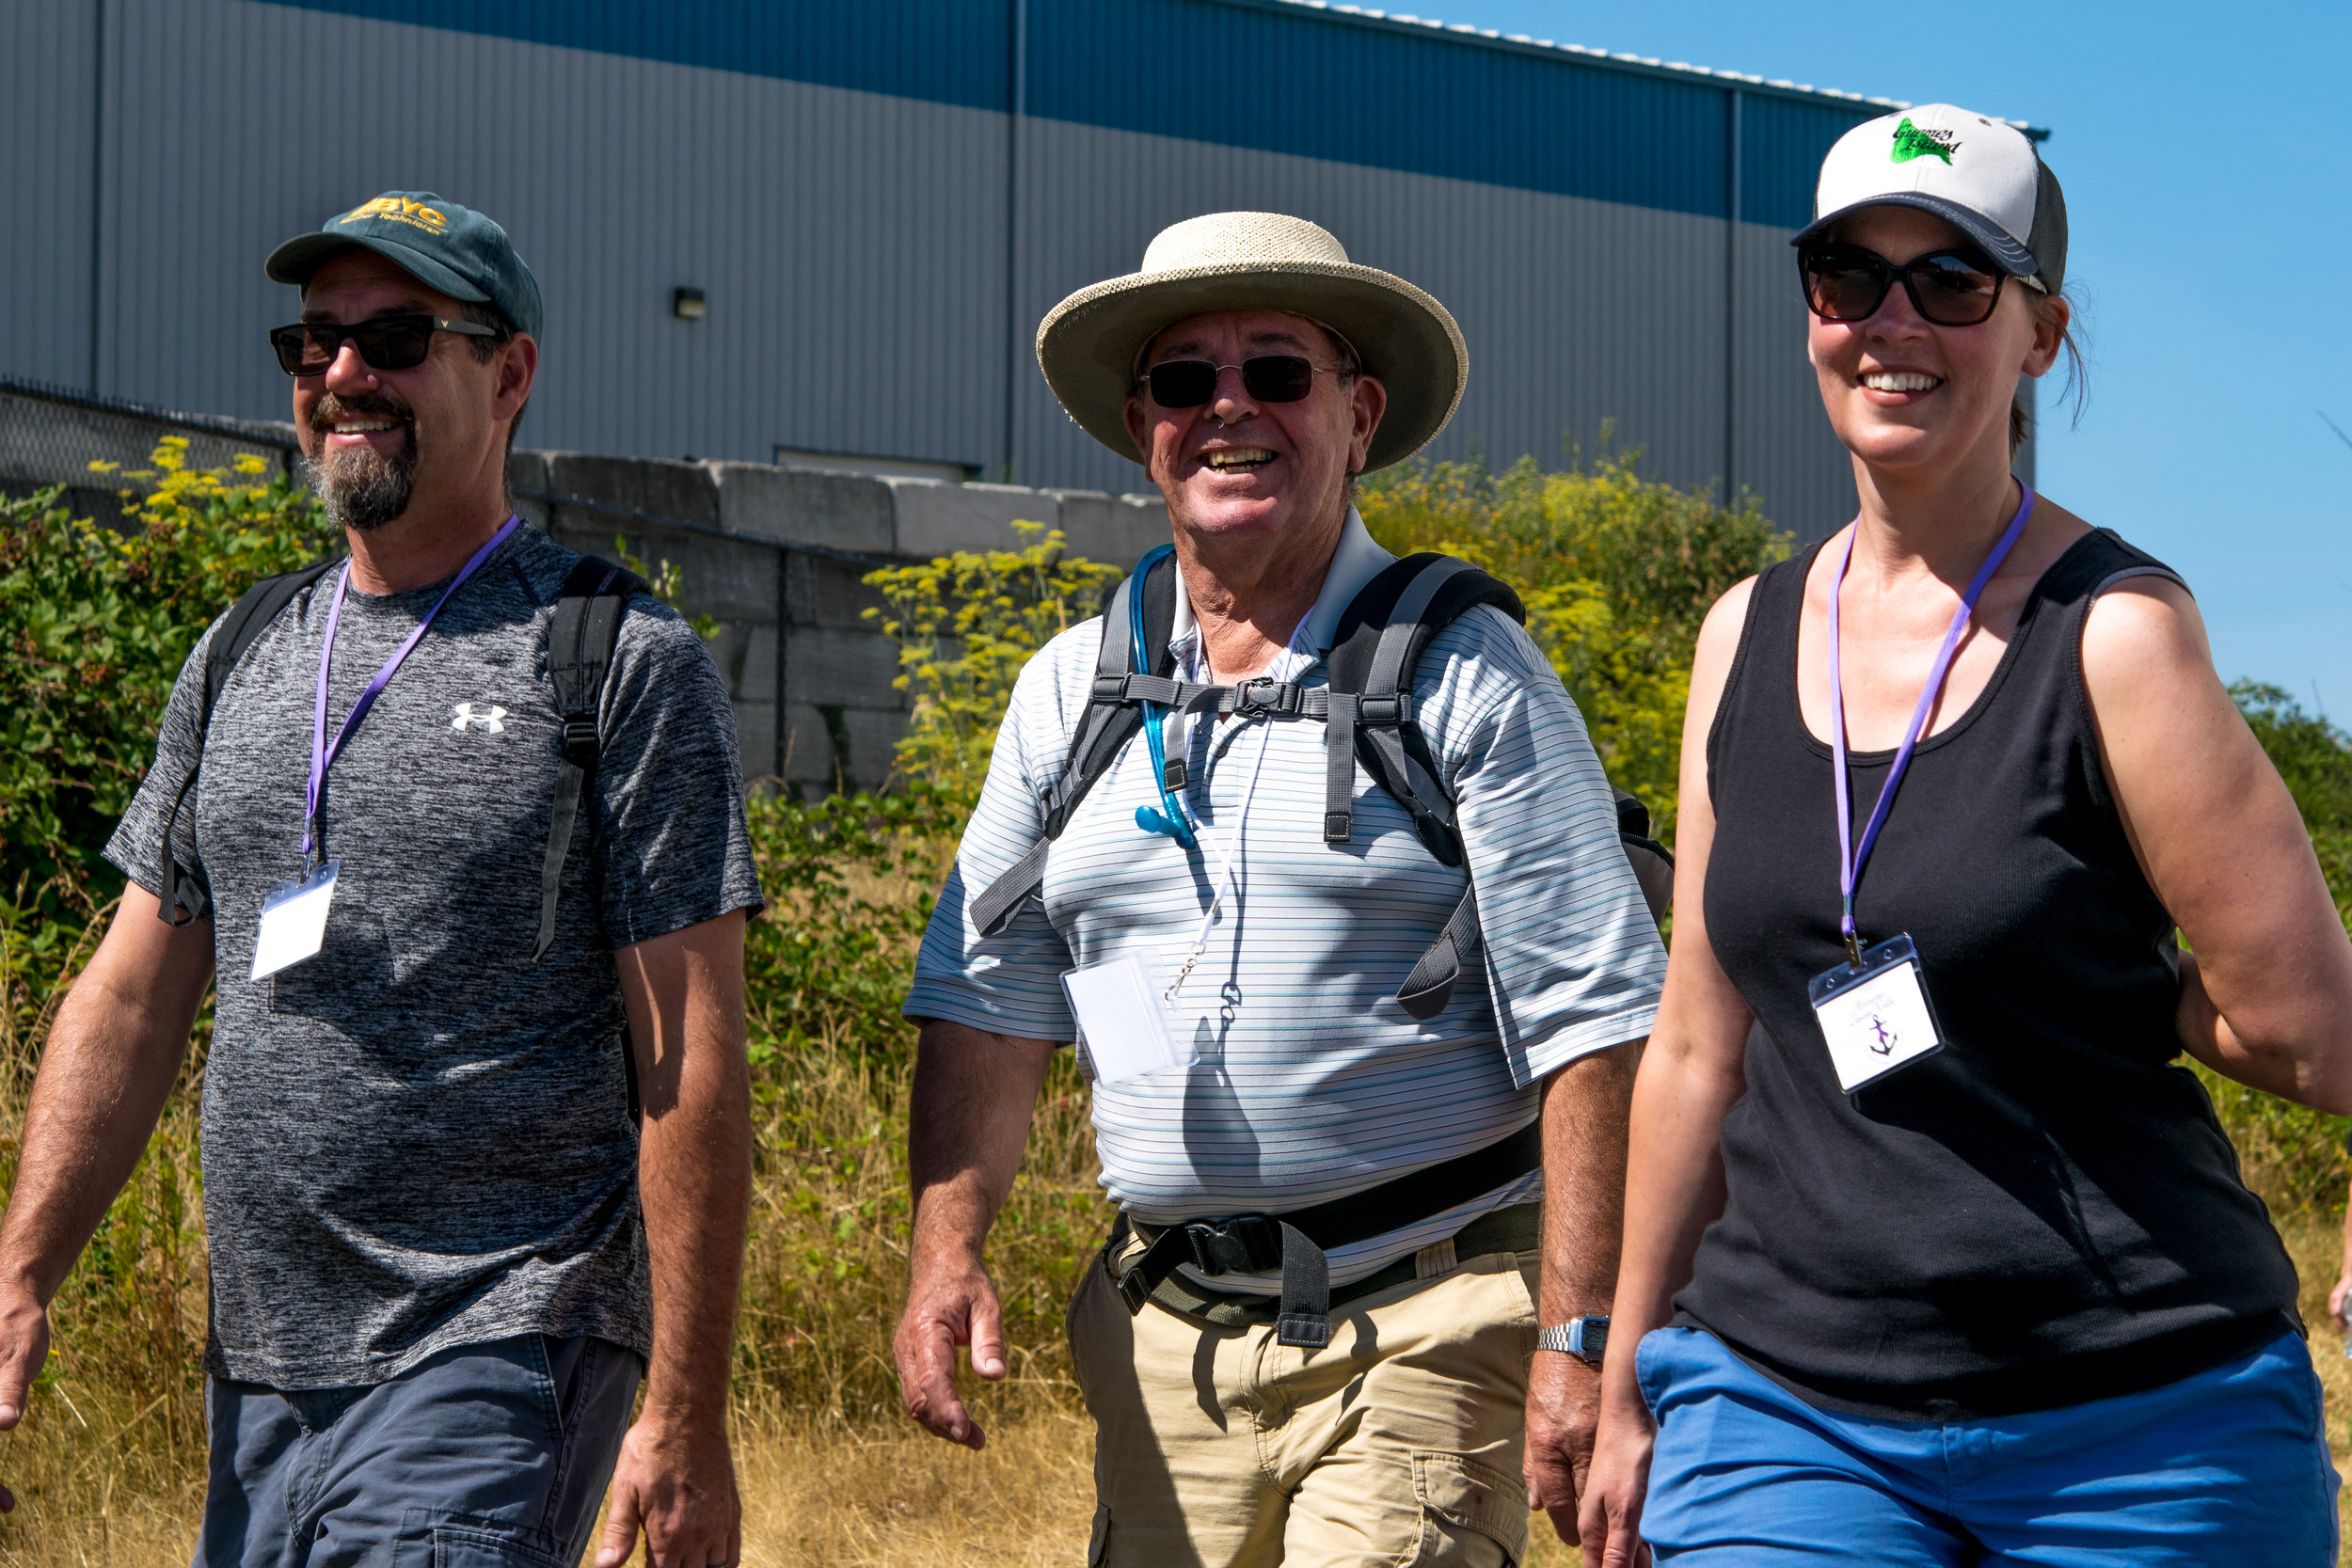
[(51, 436)]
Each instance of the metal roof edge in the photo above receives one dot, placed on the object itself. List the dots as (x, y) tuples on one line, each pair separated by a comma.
[(1577, 53)]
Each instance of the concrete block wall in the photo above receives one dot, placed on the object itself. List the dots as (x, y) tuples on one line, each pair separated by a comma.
[(777, 556)]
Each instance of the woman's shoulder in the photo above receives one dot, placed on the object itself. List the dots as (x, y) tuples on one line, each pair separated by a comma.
[(2085, 560), (1717, 654), (1781, 586)]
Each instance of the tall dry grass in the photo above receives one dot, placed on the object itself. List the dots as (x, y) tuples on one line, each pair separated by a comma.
[(108, 1463)]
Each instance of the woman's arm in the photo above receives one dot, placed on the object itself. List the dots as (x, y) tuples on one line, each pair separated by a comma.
[(1688, 1077), (2266, 995)]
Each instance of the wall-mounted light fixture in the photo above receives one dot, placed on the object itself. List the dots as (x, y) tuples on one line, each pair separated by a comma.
[(687, 305)]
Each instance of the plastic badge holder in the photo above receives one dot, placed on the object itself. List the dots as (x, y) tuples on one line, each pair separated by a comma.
[(293, 921), (1121, 1020), (1876, 1017)]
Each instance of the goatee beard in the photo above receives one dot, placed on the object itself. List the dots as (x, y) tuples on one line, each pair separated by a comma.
[(361, 488)]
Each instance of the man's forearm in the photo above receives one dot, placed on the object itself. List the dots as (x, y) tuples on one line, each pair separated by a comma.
[(694, 1178), (1585, 1109), (966, 1131), (684, 993)]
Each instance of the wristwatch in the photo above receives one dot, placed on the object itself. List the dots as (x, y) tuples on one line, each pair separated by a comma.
[(1583, 1338)]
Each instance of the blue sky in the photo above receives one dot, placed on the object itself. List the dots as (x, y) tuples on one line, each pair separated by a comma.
[(2207, 157)]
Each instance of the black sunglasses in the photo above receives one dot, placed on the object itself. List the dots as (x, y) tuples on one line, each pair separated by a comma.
[(386, 343), (1266, 377), (1951, 287)]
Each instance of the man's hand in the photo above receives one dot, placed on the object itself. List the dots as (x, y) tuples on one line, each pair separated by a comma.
[(1563, 1412), (23, 1346), (675, 1482), (966, 1130), (2336, 1299), (949, 1304)]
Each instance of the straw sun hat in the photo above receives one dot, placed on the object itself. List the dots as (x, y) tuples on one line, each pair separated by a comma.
[(1089, 345)]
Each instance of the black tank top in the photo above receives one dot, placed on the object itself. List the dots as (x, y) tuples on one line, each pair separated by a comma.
[(2046, 1210)]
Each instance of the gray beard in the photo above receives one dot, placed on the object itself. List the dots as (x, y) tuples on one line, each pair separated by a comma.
[(361, 490)]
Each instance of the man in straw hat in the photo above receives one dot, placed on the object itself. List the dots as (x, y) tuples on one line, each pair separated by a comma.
[(1347, 1205)]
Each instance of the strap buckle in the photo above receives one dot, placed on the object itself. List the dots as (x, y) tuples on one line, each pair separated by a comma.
[(1386, 710), (579, 738), (1134, 1289), (1265, 695), (1246, 1244)]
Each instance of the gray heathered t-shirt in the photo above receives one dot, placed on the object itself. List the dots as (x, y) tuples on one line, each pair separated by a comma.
[(419, 1138)]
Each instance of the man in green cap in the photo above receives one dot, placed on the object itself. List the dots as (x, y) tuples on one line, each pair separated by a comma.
[(476, 1132)]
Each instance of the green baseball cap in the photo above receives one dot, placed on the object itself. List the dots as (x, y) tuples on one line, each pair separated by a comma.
[(437, 242)]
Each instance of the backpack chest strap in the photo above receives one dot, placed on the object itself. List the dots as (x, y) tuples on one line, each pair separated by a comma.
[(1263, 698)]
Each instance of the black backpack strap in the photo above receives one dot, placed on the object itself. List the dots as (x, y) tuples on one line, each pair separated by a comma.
[(1112, 717), (582, 636), (255, 608), (1380, 639), (1379, 642), (1653, 863)]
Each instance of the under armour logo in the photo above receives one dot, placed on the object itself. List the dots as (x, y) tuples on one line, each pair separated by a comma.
[(487, 715)]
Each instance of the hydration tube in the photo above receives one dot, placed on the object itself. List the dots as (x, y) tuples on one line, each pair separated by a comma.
[(1169, 819)]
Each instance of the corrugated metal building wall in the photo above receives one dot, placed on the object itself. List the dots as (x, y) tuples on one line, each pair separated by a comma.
[(881, 200)]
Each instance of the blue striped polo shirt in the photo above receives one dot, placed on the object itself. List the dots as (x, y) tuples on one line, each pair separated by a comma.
[(1310, 1082)]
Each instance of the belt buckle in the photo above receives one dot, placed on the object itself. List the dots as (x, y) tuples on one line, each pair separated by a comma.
[(1252, 1244)]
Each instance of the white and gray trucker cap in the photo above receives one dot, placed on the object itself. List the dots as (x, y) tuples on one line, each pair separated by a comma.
[(1981, 174)]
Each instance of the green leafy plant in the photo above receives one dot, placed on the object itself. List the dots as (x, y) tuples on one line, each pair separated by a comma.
[(1617, 573), (966, 624), (97, 623)]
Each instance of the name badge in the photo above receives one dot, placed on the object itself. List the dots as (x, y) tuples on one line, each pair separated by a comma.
[(293, 921), (1875, 1018), (1122, 1023)]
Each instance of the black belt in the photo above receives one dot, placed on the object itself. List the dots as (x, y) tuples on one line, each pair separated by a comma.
[(1295, 1242)]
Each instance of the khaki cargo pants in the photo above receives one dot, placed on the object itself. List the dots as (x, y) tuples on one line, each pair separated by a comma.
[(1398, 1443)]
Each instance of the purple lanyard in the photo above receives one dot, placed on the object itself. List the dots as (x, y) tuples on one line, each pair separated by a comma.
[(322, 755), (1849, 856)]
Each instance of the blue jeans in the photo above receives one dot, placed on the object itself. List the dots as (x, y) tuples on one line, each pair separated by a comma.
[(484, 1456), (2229, 1467)]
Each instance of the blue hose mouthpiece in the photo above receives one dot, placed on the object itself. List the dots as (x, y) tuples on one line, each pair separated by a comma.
[(1152, 821)]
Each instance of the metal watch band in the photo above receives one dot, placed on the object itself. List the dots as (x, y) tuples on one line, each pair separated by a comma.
[(1586, 1339)]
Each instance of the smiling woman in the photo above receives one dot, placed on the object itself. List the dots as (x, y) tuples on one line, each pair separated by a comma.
[(1916, 1169)]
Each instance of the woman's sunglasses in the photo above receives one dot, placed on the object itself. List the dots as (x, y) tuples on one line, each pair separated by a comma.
[(386, 343), (1951, 287), (1266, 377)]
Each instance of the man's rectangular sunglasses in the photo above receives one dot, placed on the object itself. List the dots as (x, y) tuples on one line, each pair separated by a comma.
[(1266, 377), (386, 343), (1951, 287)]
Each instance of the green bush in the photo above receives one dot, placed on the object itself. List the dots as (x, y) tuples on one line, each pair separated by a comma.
[(1617, 572), (966, 624), (98, 621)]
